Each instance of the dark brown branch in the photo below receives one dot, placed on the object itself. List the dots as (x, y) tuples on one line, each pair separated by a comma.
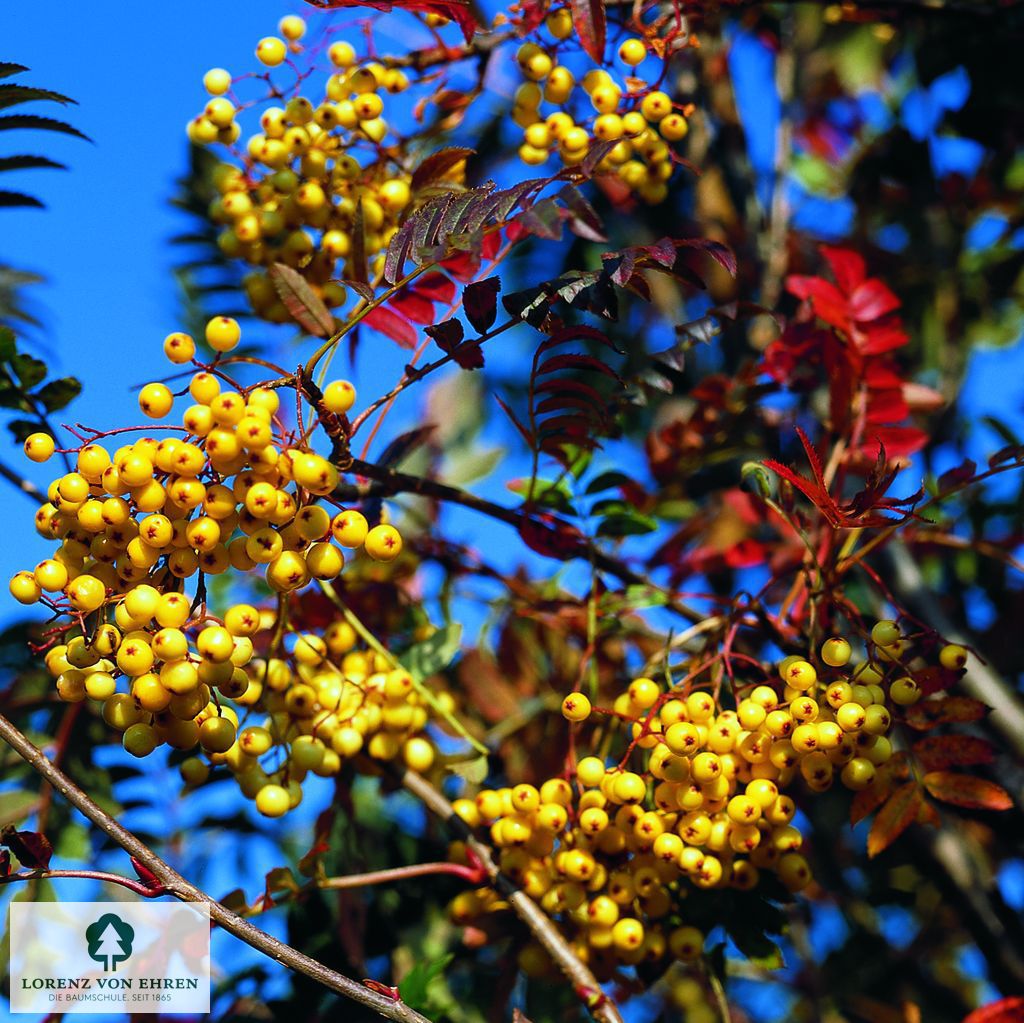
[(391, 481), (176, 885)]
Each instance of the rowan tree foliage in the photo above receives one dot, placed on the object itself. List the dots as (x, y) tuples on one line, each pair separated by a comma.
[(660, 662)]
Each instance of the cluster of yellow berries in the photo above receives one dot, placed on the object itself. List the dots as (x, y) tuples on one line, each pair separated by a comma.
[(642, 121), (610, 851), (232, 490), (324, 702), (322, 166), (223, 496)]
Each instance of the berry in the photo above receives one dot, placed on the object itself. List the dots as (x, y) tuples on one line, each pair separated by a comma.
[(271, 51), (273, 801), (217, 81), (292, 27), (39, 447), (383, 543), (953, 657), (632, 52), (339, 396), (836, 651), (222, 335), (885, 633), (576, 707), (156, 400)]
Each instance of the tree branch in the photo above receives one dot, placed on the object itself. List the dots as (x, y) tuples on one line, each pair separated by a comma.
[(184, 890), (394, 482), (24, 486)]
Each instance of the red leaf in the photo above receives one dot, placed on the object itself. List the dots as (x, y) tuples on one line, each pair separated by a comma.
[(948, 710), (872, 300), (847, 266), (551, 537), (1006, 1010), (438, 165), (413, 307), (589, 21), (881, 336), (814, 489), (392, 325), (935, 678), (828, 301), (966, 790), (939, 751), (480, 300), (32, 849), (572, 360), (459, 11), (898, 441), (435, 286), (447, 334), (898, 813)]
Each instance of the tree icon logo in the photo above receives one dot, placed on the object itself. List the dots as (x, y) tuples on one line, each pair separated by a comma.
[(110, 941)]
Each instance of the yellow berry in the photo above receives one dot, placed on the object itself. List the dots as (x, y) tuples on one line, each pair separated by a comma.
[(292, 27), (273, 801), (217, 81), (339, 396), (953, 657), (576, 707), (39, 447), (836, 652), (632, 52), (156, 400), (222, 334), (383, 543), (885, 633), (271, 51)]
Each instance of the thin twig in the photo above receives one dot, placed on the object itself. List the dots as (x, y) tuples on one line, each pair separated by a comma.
[(176, 885), (23, 486)]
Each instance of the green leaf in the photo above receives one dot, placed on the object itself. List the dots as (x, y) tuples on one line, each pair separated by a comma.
[(9, 200), (433, 654), (8, 346), (11, 95), (469, 465), (7, 69), (73, 843), (606, 481), (34, 121), (281, 879), (545, 493), (771, 960), (17, 806), (626, 523), (59, 393), (473, 771), (30, 370), (413, 986), (22, 429)]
